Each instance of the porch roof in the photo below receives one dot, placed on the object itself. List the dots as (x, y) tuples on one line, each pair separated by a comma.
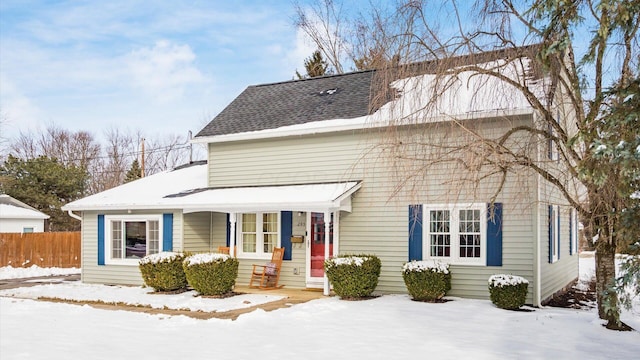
[(185, 189), (302, 197)]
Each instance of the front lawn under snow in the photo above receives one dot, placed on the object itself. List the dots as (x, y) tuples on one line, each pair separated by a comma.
[(9, 272), (387, 327)]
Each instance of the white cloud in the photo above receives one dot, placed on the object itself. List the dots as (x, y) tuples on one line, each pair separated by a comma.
[(302, 49), (18, 111), (165, 70)]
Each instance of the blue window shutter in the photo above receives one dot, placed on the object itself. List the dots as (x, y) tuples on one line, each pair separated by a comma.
[(229, 231), (494, 234), (415, 232), (550, 233), (559, 233), (286, 228), (100, 239), (167, 232)]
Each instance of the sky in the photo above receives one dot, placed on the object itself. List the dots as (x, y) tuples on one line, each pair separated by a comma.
[(155, 66), (387, 327)]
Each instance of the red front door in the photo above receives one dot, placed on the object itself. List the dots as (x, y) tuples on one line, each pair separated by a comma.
[(317, 244)]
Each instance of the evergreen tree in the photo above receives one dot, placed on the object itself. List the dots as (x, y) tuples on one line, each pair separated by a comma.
[(134, 172), (376, 59), (315, 66), (45, 184)]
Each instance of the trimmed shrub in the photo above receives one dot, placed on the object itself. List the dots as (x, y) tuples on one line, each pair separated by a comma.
[(163, 271), (426, 280), (508, 291), (353, 276), (211, 274)]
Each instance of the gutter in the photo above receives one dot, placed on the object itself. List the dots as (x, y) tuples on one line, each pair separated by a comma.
[(70, 212), (339, 125)]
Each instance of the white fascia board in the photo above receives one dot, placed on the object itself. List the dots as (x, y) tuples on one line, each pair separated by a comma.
[(324, 126), (249, 208), (123, 207)]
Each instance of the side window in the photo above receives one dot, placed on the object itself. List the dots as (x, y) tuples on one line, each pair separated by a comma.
[(258, 233), (129, 238), (455, 233)]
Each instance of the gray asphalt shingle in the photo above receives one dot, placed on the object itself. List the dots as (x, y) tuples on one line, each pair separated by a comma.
[(275, 105), (345, 96)]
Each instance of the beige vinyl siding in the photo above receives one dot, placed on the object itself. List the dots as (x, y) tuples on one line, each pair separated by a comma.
[(219, 238), (197, 232), (218, 230), (556, 275), (378, 223), (115, 274)]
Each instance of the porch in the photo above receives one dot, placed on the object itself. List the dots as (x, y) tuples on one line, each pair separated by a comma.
[(251, 221)]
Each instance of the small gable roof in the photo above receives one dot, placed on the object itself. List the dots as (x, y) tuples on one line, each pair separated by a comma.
[(11, 208), (270, 106)]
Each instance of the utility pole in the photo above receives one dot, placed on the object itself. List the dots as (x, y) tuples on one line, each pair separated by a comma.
[(142, 160), (190, 147)]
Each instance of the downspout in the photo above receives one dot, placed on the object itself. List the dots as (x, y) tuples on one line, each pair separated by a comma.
[(537, 246), (70, 212)]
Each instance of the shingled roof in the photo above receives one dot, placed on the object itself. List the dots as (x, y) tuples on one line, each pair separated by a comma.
[(271, 106), (344, 96)]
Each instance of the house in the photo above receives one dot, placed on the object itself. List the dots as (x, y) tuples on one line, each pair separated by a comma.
[(18, 217), (303, 165)]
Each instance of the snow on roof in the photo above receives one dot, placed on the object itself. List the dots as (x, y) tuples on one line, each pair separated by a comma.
[(147, 192), (11, 208), (16, 212), (303, 197), (466, 95)]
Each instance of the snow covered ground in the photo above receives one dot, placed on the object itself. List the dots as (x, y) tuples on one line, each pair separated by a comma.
[(388, 327), (9, 272)]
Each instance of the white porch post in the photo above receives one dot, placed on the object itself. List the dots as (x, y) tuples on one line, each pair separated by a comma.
[(232, 233), (327, 221)]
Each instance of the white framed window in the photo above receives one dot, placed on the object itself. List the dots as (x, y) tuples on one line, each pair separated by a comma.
[(455, 233), (131, 237), (258, 234), (27, 230), (554, 232)]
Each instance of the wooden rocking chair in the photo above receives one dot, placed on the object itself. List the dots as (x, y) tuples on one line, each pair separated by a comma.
[(266, 276), (226, 250)]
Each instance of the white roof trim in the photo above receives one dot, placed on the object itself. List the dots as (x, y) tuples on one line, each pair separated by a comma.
[(8, 211), (337, 125), (305, 197)]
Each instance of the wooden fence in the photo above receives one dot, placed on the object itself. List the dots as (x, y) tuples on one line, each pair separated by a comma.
[(45, 249)]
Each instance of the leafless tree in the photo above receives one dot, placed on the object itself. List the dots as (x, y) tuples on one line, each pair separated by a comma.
[(569, 92), (106, 164), (325, 24)]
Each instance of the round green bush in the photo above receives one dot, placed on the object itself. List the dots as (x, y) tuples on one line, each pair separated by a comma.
[(426, 280), (163, 271), (353, 276), (211, 274), (508, 291)]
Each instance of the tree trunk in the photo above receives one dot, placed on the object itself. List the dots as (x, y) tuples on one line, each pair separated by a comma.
[(605, 276)]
